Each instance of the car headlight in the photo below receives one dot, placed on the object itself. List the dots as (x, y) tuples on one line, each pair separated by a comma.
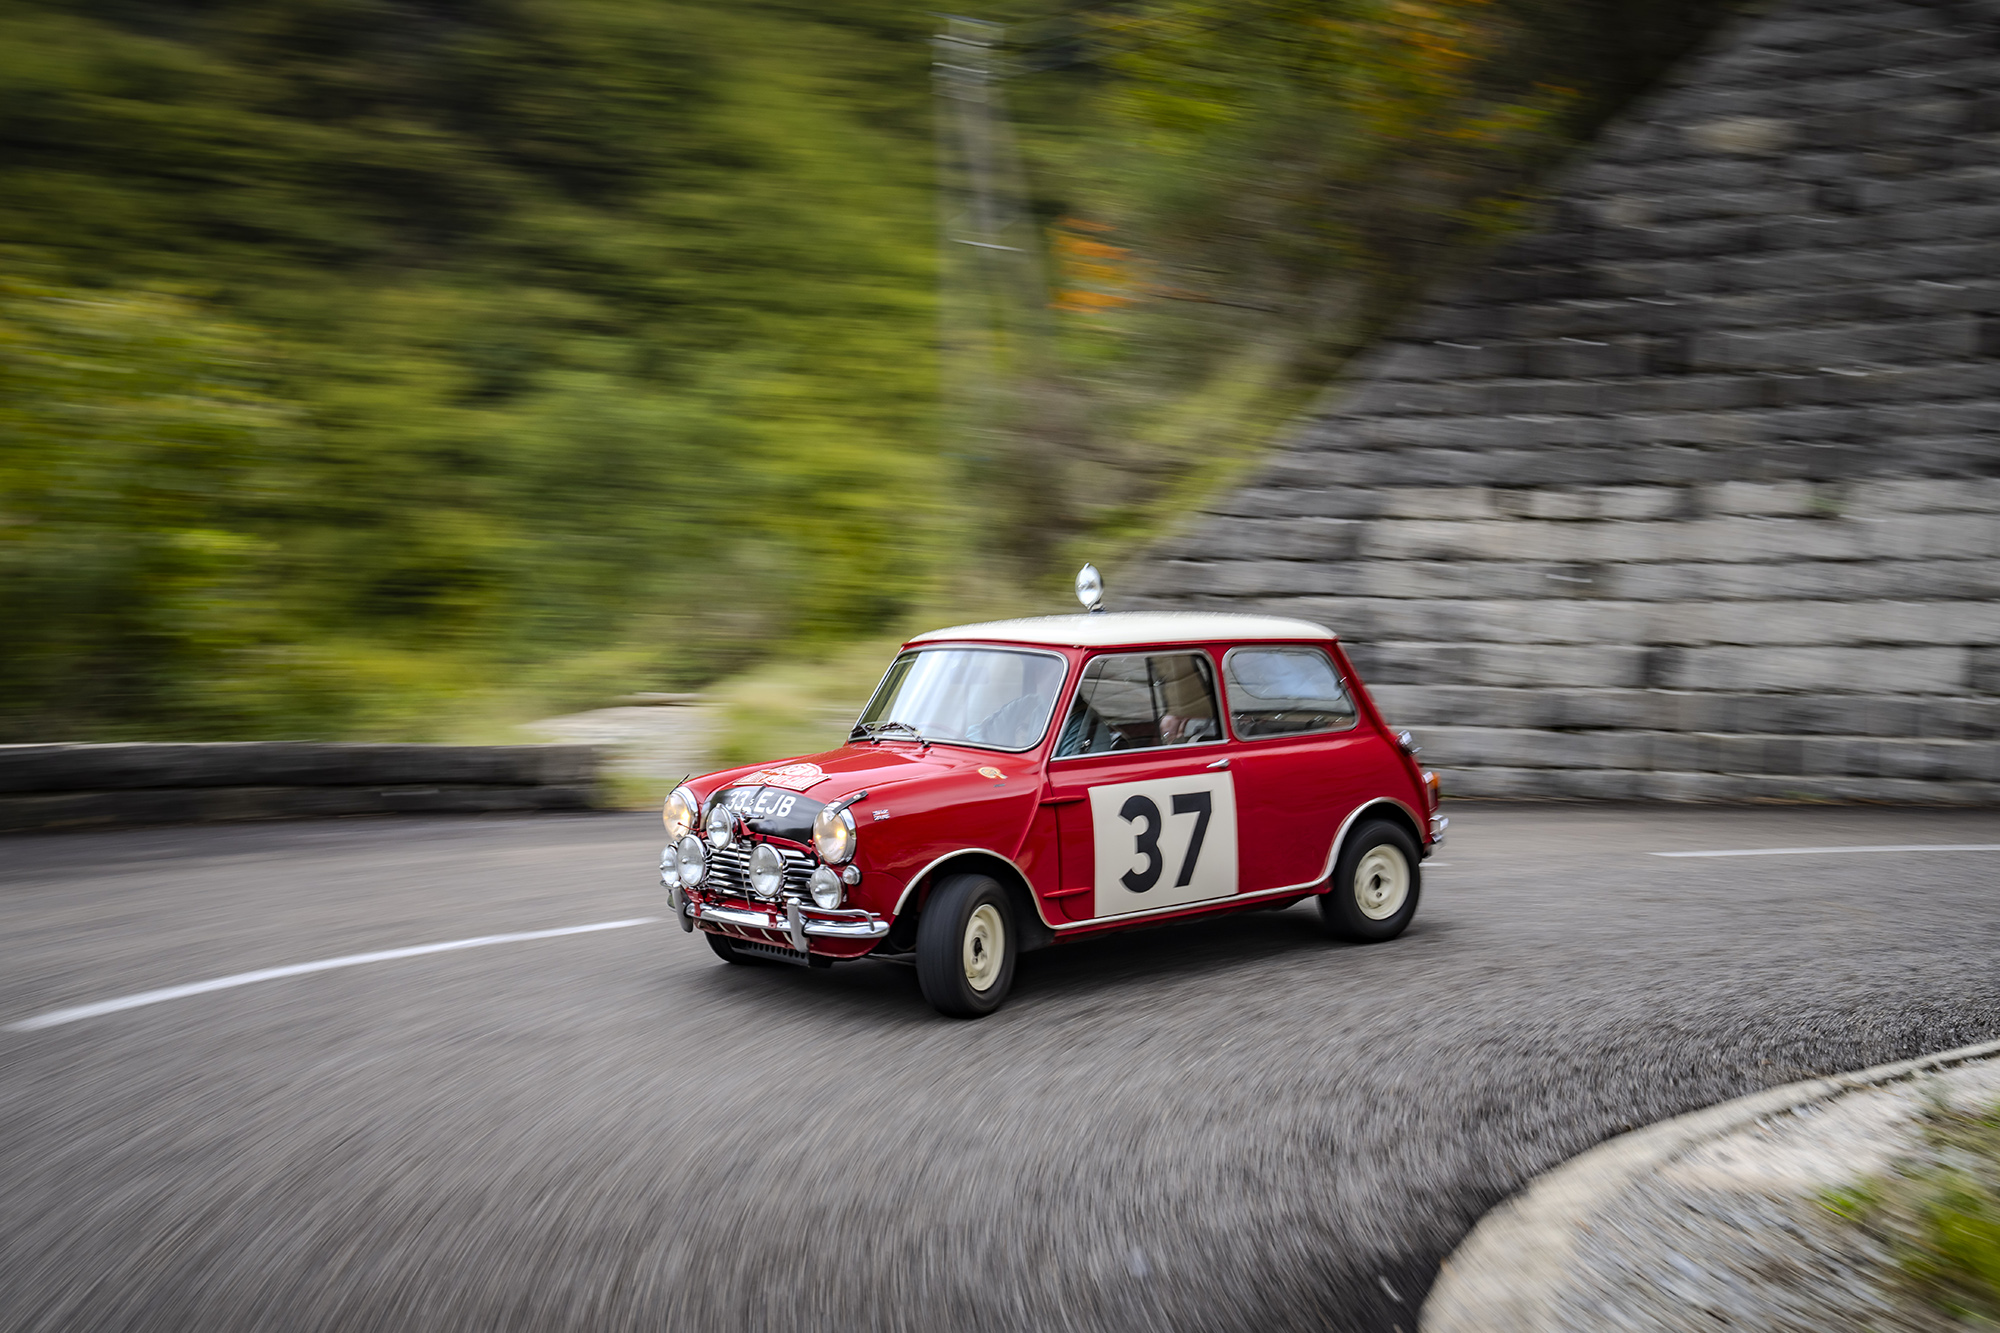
[(721, 827), (682, 813), (833, 837), (767, 870), (693, 860), (827, 890), (670, 864)]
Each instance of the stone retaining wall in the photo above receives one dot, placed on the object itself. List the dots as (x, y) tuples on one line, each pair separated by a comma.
[(1695, 494), (76, 786)]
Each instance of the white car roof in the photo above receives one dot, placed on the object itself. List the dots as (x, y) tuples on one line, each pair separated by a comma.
[(1111, 629)]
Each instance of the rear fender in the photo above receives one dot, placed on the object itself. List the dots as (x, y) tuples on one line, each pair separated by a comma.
[(1384, 808)]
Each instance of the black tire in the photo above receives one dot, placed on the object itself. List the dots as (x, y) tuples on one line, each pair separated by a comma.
[(958, 924), (1368, 912), (725, 949)]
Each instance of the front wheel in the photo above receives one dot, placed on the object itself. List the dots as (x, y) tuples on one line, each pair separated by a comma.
[(726, 950), (1375, 886), (965, 947)]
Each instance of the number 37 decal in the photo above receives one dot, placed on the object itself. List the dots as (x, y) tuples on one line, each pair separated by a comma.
[(1164, 842)]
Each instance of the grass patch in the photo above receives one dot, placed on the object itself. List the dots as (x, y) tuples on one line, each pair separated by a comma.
[(1937, 1213), (806, 701), (629, 791), (788, 708)]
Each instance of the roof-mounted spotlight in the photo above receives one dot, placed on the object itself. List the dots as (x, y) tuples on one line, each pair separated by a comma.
[(1090, 588)]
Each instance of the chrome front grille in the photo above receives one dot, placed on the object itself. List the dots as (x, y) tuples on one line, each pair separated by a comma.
[(729, 870)]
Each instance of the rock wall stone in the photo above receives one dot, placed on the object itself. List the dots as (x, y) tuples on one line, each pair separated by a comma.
[(46, 787), (1694, 493)]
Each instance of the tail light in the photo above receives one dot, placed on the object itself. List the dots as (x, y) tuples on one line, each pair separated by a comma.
[(1431, 792)]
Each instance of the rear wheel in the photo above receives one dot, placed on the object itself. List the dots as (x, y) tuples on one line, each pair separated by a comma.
[(1376, 884), (965, 947)]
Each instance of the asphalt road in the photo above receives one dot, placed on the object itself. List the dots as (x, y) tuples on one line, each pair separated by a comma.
[(1229, 1125)]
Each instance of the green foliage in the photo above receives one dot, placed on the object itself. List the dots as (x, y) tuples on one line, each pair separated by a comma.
[(140, 450), (788, 708), (1291, 141), (599, 331), (1243, 195), (374, 368), (1938, 1212)]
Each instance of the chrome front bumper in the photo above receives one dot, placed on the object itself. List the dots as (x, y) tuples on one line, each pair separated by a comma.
[(797, 924), (790, 919)]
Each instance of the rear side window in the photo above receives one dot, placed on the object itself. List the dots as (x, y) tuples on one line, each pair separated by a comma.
[(1141, 701), (1284, 692)]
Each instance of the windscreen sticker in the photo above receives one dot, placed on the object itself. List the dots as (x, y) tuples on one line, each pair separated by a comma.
[(792, 777)]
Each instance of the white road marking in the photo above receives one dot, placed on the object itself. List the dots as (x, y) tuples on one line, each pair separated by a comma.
[(1824, 851), (57, 1017)]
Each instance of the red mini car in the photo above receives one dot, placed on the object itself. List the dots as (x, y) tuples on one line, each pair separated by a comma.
[(1020, 782)]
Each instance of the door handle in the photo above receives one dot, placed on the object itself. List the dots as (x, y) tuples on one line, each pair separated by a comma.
[(1220, 763)]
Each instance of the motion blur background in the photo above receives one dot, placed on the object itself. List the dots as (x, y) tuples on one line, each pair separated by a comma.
[(417, 368), (1620, 378)]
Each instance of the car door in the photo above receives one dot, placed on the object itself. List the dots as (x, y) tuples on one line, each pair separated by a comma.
[(1146, 803), (1300, 760)]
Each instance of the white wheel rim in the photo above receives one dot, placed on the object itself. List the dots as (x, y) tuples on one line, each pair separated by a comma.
[(985, 941), (1381, 883)]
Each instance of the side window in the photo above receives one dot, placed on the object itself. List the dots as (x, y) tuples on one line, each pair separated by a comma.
[(1284, 692), (1141, 701)]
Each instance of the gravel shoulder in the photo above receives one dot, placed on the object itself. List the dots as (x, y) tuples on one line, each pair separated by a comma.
[(1715, 1219)]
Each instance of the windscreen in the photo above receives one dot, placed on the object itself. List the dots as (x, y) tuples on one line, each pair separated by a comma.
[(991, 697)]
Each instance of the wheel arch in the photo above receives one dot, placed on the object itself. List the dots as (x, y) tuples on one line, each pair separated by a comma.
[(1386, 808), (1036, 932)]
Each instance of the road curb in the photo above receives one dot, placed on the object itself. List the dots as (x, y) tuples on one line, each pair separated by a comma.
[(1506, 1275)]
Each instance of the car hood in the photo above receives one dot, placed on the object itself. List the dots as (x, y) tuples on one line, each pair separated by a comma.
[(832, 774), (937, 799)]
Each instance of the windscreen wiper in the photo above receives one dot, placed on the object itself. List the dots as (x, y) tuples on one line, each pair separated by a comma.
[(873, 730)]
